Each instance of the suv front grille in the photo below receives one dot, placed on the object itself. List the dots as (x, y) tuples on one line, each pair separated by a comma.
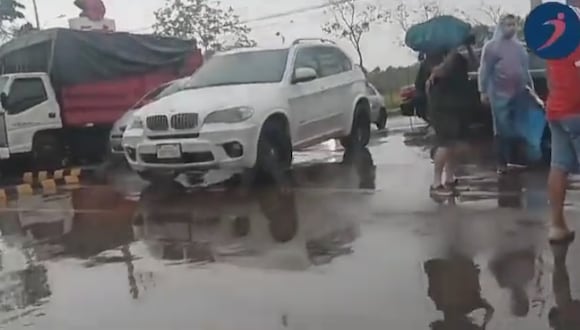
[(182, 121), (157, 123)]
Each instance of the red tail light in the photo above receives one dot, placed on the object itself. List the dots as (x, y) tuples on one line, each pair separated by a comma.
[(407, 92)]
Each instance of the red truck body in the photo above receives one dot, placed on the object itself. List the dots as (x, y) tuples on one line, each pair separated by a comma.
[(103, 102)]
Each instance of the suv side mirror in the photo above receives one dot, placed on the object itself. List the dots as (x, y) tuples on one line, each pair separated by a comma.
[(304, 75), (4, 100)]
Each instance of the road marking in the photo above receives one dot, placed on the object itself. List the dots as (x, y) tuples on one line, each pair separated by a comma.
[(59, 174), (28, 177), (42, 175), (71, 179), (24, 190), (48, 186), (3, 197)]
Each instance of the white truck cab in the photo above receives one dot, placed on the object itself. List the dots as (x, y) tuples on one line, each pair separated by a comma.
[(29, 106)]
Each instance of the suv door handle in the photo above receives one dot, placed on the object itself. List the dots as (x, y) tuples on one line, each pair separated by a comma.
[(51, 115)]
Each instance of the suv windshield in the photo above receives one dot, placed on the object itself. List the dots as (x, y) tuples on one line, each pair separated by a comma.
[(254, 67)]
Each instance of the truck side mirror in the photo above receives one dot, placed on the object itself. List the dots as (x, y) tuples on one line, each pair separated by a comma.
[(4, 100)]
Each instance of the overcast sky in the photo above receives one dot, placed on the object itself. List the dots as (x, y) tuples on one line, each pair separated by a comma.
[(380, 45)]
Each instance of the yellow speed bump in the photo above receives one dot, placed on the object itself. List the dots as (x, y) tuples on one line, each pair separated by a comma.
[(48, 186), (42, 175), (3, 197), (71, 179), (59, 174), (75, 172), (24, 190), (28, 177)]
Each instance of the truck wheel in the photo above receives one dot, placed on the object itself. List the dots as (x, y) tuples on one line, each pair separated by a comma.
[(48, 152), (274, 154), (360, 133), (382, 121), (158, 178)]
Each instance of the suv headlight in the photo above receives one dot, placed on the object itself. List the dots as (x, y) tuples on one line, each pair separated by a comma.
[(233, 115), (136, 123)]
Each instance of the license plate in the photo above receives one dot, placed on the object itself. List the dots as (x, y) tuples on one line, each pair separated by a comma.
[(168, 151)]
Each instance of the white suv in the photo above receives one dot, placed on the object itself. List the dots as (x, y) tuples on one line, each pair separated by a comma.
[(248, 109)]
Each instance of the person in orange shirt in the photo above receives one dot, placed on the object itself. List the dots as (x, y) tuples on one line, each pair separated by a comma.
[(563, 112)]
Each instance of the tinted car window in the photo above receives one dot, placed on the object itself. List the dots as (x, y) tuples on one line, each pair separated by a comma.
[(332, 61), (326, 61), (25, 93), (307, 58)]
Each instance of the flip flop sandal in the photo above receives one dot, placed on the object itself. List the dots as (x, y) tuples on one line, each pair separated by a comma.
[(452, 184), (566, 239)]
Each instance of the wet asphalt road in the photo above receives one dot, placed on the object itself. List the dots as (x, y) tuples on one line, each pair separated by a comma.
[(357, 244)]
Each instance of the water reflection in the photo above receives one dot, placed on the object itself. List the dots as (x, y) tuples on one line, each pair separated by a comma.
[(455, 290), (514, 271), (566, 314), (510, 191), (261, 228)]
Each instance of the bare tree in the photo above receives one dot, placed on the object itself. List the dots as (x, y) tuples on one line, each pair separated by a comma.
[(214, 27), (351, 21), (405, 15), (493, 13), (10, 12)]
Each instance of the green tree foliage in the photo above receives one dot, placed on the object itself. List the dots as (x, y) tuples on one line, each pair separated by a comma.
[(215, 28), (390, 81), (351, 21), (10, 11)]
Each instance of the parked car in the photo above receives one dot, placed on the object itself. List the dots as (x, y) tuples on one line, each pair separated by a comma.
[(379, 113), (247, 109), (120, 125)]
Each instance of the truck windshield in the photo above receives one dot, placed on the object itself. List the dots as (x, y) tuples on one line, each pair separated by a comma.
[(254, 67), (3, 81)]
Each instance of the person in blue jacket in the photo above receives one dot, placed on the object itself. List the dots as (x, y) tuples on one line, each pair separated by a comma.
[(503, 78)]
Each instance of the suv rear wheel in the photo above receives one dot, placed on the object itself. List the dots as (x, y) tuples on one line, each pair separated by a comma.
[(360, 133), (382, 121)]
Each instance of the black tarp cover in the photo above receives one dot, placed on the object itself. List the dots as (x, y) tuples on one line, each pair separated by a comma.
[(75, 57)]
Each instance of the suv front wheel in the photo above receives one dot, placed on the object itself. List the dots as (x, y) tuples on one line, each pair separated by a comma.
[(360, 133), (274, 153)]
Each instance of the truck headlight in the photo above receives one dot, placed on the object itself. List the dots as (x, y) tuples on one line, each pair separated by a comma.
[(229, 116), (136, 123)]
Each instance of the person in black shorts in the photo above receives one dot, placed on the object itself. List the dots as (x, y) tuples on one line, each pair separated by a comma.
[(449, 100)]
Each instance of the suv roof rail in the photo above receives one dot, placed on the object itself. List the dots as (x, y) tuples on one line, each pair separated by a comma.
[(299, 40)]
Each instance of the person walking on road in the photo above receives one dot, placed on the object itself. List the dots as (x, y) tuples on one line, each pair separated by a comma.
[(563, 111), (449, 102), (503, 78)]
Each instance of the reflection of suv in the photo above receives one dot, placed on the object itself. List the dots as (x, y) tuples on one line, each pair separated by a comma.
[(248, 109)]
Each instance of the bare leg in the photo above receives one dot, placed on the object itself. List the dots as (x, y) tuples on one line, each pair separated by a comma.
[(450, 165), (557, 184), (440, 159)]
